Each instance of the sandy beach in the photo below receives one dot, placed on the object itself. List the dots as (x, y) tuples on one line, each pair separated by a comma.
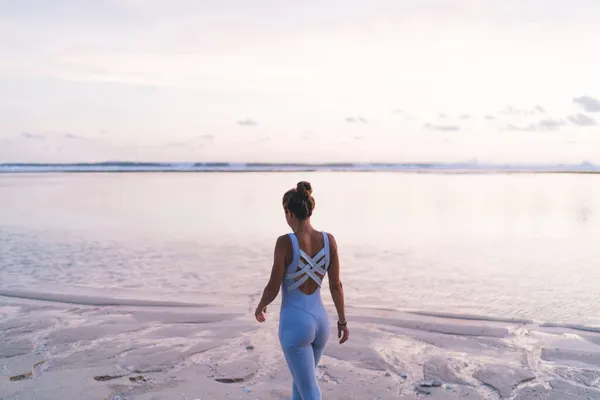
[(75, 347)]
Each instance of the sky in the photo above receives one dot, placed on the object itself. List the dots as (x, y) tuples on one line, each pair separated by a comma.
[(300, 81)]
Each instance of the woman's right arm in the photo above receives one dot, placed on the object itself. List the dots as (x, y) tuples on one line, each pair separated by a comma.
[(337, 290)]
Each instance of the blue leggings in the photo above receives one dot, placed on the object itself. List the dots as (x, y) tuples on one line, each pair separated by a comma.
[(303, 337)]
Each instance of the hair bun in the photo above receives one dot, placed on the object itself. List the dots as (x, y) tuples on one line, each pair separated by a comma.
[(304, 189)]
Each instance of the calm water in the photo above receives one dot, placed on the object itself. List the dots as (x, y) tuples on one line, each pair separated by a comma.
[(500, 245)]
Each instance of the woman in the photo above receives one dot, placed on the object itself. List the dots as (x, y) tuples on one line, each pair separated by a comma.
[(301, 260)]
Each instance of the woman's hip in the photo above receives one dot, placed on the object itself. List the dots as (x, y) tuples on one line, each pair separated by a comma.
[(299, 327)]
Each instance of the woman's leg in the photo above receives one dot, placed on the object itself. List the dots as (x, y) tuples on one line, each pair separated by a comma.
[(318, 347), (317, 353), (321, 336), (301, 362), (297, 331), (295, 392)]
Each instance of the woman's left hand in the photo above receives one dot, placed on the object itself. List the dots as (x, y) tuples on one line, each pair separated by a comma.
[(260, 314)]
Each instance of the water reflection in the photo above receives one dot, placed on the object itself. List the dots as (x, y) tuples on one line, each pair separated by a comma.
[(507, 245)]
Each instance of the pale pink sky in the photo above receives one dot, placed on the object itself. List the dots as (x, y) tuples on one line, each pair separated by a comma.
[(191, 80)]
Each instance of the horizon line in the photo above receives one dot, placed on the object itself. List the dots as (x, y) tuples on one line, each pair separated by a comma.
[(294, 163), (223, 167)]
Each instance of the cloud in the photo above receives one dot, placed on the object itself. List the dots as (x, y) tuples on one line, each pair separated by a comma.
[(352, 120), (73, 137), (513, 111), (582, 120), (444, 128), (489, 117), (247, 122), (510, 110), (511, 127), (587, 103), (548, 124), (31, 135)]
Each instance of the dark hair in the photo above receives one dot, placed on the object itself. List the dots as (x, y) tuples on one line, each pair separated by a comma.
[(299, 201)]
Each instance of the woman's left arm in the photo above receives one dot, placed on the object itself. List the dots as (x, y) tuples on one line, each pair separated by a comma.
[(272, 289)]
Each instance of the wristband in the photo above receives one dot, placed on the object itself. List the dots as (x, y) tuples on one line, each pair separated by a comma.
[(342, 325)]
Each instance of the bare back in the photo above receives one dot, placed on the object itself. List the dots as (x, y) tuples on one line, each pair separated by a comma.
[(311, 243)]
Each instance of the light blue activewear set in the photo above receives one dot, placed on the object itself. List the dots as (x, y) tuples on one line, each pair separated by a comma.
[(303, 321)]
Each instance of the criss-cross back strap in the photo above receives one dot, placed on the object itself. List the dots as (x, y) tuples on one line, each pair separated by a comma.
[(313, 265)]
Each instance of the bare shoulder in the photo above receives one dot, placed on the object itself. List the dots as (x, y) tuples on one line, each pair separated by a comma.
[(283, 241), (332, 242), (283, 247)]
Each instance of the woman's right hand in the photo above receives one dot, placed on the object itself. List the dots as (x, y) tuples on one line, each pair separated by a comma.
[(343, 333)]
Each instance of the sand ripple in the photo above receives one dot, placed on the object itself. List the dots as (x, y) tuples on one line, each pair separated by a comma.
[(138, 350)]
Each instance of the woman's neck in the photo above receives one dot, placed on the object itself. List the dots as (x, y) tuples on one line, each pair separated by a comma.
[(303, 226)]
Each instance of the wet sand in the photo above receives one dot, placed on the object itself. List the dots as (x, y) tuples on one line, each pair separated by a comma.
[(74, 347)]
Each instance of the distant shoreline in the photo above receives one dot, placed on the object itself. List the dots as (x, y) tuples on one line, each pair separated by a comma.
[(438, 172), (440, 168)]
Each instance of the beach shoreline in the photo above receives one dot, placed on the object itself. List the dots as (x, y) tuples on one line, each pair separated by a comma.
[(458, 167), (58, 347)]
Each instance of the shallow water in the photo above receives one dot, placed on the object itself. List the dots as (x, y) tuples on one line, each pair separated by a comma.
[(500, 245)]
